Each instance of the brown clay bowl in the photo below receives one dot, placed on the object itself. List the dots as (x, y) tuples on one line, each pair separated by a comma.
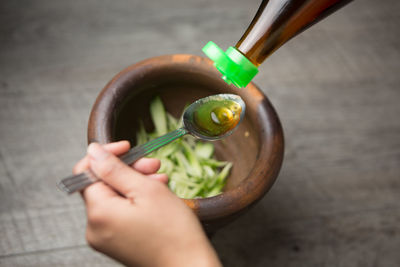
[(255, 148)]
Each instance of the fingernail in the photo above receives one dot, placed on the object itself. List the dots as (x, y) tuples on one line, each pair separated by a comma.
[(97, 152)]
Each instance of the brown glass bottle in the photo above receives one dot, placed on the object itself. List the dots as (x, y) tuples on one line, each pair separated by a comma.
[(277, 21)]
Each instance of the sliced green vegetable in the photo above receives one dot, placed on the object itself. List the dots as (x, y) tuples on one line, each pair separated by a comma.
[(172, 123), (213, 162), (165, 151), (158, 116), (193, 161), (204, 150), (141, 136), (189, 163)]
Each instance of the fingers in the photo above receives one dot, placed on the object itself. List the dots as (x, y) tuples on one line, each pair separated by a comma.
[(97, 192), (117, 148), (81, 166), (161, 177), (147, 165), (113, 171)]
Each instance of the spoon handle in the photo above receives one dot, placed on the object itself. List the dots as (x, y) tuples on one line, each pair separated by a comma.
[(78, 182), (142, 150)]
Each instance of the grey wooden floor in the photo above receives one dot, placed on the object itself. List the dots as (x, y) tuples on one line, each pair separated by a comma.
[(336, 88)]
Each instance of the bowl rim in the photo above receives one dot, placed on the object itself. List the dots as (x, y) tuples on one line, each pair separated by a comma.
[(268, 162)]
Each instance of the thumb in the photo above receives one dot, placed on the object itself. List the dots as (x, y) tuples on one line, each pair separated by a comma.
[(113, 171)]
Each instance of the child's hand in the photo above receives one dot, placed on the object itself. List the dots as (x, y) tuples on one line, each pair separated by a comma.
[(134, 218)]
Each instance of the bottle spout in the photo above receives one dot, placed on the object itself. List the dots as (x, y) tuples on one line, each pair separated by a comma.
[(233, 65)]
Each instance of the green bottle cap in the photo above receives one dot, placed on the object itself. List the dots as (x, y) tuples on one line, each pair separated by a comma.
[(233, 65)]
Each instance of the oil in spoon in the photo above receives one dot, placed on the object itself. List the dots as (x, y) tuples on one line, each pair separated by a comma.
[(217, 116)]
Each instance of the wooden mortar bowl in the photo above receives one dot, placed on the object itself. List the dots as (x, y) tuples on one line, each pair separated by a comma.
[(255, 148)]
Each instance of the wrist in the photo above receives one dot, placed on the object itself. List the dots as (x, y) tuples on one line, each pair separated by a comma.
[(197, 253)]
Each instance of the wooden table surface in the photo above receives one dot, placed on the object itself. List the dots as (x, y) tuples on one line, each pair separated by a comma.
[(336, 88)]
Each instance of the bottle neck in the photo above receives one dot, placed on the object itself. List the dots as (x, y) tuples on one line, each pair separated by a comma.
[(277, 21)]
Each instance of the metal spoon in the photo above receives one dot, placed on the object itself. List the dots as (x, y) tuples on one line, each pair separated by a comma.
[(191, 126)]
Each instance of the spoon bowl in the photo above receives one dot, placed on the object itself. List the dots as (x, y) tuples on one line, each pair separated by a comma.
[(236, 106)]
